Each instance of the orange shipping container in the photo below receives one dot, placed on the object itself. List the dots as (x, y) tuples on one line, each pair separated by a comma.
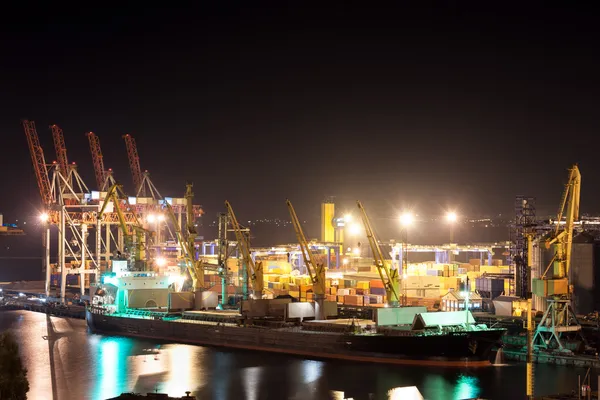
[(353, 300), (376, 283)]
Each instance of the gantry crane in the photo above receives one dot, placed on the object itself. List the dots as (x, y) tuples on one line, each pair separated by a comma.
[(554, 284), (104, 178), (388, 275), (315, 270), (134, 165), (71, 183), (134, 242), (252, 269), (61, 151), (39, 163), (140, 180)]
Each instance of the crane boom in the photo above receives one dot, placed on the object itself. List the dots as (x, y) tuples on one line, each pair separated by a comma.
[(192, 265), (39, 162), (191, 237), (136, 251), (61, 150), (560, 318), (254, 270), (98, 160), (315, 270), (562, 240), (134, 165), (388, 275)]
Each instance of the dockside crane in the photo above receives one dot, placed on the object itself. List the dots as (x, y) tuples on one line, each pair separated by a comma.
[(252, 269), (140, 180), (192, 265), (134, 165), (315, 270), (104, 178), (61, 151), (39, 163), (554, 284), (71, 182), (135, 240), (388, 275)]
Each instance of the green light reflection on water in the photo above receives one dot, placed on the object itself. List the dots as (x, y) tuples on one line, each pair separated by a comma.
[(467, 387), (111, 353)]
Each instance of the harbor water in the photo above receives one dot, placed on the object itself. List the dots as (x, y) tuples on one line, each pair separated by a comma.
[(65, 361)]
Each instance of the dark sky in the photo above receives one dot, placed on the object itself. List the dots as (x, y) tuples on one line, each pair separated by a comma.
[(433, 108)]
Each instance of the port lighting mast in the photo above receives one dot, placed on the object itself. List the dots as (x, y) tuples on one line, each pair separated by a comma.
[(388, 275), (253, 270), (315, 270), (554, 284)]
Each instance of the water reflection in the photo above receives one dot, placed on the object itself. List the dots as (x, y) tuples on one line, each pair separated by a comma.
[(66, 362), (180, 370), (311, 370), (467, 387), (251, 382), (112, 355), (221, 373)]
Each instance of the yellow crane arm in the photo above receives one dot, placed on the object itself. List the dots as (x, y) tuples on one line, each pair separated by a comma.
[(388, 276), (112, 196), (562, 239), (188, 254), (316, 271), (254, 270)]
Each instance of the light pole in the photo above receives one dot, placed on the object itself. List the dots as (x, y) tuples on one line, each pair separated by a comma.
[(406, 220), (45, 218), (451, 217)]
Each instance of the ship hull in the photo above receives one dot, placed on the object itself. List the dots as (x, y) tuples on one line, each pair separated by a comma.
[(471, 351)]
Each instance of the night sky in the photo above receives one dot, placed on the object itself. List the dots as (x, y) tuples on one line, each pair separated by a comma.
[(429, 108)]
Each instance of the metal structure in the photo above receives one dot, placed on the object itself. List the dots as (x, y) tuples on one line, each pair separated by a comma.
[(442, 253), (135, 236), (388, 275), (134, 165), (252, 270), (39, 162), (191, 238), (316, 270), (530, 371), (61, 151), (223, 255), (141, 181), (524, 226), (559, 317), (70, 210), (64, 206), (104, 178)]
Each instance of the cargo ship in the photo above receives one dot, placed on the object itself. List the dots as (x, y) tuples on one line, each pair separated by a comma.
[(430, 338)]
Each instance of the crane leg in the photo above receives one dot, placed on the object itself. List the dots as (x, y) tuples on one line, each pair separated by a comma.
[(319, 306)]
